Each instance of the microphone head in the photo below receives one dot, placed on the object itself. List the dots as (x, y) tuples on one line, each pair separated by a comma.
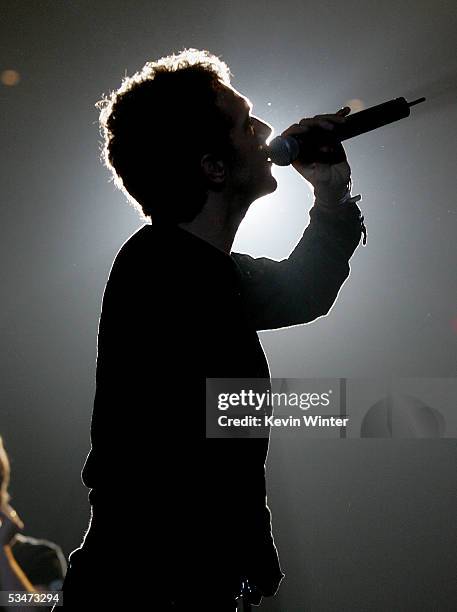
[(283, 151)]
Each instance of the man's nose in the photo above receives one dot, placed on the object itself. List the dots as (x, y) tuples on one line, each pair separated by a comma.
[(262, 129)]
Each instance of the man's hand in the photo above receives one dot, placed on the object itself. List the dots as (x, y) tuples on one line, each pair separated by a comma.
[(329, 172), (10, 524)]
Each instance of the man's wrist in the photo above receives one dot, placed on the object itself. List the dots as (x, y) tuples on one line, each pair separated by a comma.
[(334, 201)]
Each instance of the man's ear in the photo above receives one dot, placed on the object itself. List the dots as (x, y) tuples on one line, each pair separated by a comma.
[(214, 169)]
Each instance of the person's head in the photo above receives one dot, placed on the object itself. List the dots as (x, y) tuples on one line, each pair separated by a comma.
[(176, 130), (4, 475)]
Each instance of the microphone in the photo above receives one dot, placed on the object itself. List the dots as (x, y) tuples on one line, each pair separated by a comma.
[(285, 150)]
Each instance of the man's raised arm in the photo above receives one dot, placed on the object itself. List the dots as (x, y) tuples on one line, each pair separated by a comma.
[(304, 286)]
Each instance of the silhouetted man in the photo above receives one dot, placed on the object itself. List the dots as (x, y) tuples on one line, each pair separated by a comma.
[(178, 308)]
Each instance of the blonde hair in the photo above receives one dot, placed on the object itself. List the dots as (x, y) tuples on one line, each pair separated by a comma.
[(4, 475)]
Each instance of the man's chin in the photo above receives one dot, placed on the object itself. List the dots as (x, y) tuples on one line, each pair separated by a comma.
[(271, 184), (266, 191), (262, 188)]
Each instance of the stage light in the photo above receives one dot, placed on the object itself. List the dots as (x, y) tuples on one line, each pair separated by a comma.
[(355, 105), (10, 78)]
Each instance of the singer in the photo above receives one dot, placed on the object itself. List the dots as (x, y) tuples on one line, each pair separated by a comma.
[(179, 306)]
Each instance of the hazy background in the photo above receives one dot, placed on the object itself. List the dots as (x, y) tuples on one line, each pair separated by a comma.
[(360, 524)]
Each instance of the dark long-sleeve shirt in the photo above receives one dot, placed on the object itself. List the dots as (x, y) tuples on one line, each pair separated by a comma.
[(176, 311)]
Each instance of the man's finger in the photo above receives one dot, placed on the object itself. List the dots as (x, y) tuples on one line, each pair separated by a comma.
[(312, 124), (332, 118), (295, 129)]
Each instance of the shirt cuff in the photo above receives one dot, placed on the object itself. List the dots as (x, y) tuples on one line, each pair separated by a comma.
[(344, 211), (347, 198)]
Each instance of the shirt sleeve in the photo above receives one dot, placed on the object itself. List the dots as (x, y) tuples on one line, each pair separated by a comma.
[(304, 286)]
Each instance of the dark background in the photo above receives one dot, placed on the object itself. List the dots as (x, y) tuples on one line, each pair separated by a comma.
[(360, 524)]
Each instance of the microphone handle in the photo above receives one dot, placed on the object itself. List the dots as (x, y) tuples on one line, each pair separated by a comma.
[(372, 118)]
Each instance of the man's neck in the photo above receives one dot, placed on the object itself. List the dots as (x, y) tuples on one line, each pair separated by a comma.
[(217, 223)]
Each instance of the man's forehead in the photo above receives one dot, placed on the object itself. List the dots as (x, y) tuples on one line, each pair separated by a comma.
[(233, 101)]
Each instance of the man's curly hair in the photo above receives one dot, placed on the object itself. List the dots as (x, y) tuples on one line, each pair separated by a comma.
[(157, 126)]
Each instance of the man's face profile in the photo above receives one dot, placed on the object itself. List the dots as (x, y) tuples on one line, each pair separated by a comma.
[(249, 172)]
